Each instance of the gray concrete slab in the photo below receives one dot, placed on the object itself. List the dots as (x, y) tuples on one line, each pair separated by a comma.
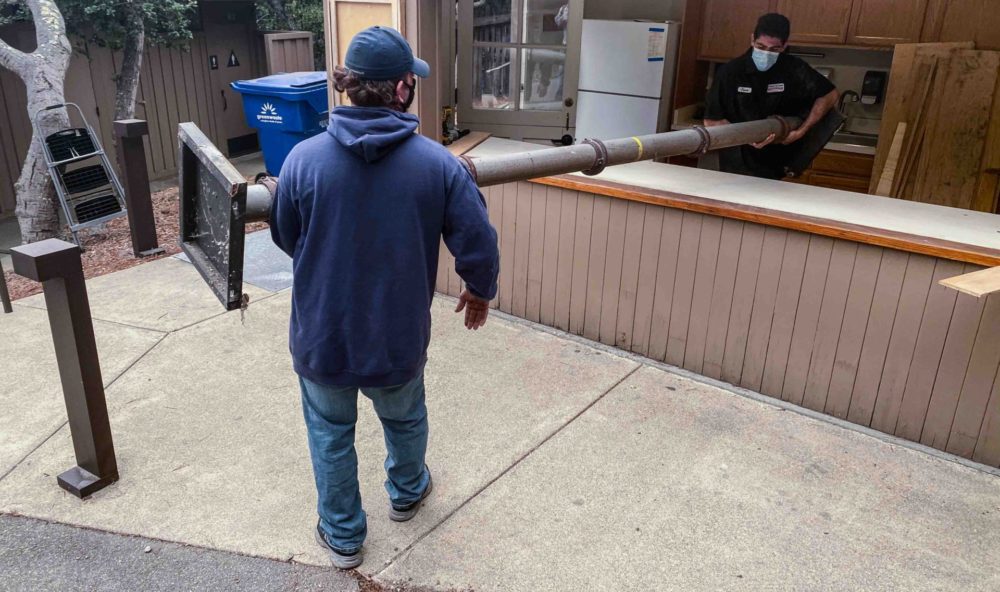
[(264, 264), (211, 443), (163, 295), (31, 399), (43, 557), (669, 484)]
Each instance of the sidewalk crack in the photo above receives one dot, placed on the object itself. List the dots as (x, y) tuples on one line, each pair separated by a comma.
[(503, 473)]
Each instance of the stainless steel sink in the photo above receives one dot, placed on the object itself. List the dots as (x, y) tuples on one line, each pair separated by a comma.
[(855, 139)]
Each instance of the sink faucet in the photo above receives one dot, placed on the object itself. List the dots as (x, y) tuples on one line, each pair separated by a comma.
[(843, 97)]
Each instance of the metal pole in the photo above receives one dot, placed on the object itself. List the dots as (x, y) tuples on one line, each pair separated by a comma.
[(4, 294), (132, 159), (590, 156), (57, 265)]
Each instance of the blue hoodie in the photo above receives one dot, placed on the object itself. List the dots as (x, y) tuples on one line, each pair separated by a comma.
[(361, 210)]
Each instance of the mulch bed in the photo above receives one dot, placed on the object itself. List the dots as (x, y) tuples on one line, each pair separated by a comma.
[(109, 249)]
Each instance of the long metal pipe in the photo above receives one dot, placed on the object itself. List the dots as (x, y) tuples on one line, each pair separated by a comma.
[(591, 156)]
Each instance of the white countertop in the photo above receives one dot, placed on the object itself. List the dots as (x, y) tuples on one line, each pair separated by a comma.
[(918, 219)]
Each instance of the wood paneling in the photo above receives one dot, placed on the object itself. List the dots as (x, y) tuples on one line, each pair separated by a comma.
[(855, 330), (963, 20), (817, 21), (728, 27), (290, 51)]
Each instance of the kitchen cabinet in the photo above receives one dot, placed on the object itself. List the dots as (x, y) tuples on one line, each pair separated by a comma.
[(728, 26), (963, 20), (885, 22), (817, 21), (839, 170)]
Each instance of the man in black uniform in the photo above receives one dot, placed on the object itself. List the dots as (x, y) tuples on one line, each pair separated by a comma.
[(763, 82)]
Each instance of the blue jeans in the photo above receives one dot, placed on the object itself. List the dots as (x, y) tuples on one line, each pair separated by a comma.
[(331, 413)]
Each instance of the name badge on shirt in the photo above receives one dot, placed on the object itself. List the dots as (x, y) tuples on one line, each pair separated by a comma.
[(744, 89), (776, 88)]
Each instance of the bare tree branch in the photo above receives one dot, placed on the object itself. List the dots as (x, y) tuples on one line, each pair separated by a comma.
[(14, 60), (50, 29)]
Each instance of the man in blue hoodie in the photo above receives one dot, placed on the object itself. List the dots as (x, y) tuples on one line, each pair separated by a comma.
[(361, 210)]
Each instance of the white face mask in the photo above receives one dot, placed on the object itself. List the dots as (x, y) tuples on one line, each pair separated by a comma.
[(764, 60)]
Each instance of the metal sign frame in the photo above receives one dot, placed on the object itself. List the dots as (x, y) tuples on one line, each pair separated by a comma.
[(213, 200)]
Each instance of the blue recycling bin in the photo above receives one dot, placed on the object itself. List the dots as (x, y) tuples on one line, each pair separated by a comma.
[(285, 109)]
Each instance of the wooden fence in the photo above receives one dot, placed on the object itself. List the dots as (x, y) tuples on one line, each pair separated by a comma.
[(854, 330)]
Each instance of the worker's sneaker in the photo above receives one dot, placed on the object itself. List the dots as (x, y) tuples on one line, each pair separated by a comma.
[(340, 559), (404, 513)]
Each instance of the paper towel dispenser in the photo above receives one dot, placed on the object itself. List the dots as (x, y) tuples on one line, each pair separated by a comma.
[(873, 87)]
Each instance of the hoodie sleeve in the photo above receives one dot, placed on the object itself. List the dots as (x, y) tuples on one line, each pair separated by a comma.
[(285, 223), (470, 237)]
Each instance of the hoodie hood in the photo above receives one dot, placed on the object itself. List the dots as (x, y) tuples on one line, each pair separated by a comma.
[(371, 133)]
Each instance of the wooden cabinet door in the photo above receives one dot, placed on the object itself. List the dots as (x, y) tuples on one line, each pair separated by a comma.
[(728, 26), (886, 22), (817, 21)]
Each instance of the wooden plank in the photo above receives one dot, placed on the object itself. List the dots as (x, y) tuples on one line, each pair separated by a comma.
[(595, 268), (910, 243), (902, 343), (927, 78), (807, 315), (951, 371), (680, 310), (988, 446), (507, 241), (742, 307), (581, 261), (852, 330), (613, 261), (831, 318), (885, 180), (978, 383), (933, 330), (631, 258), (522, 243), (550, 256), (793, 266), (701, 300), (565, 267), (468, 142), (722, 297), (978, 283), (762, 313), (536, 252), (646, 289), (666, 270)]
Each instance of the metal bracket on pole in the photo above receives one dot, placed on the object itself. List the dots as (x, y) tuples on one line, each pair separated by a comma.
[(57, 265), (132, 159), (600, 157)]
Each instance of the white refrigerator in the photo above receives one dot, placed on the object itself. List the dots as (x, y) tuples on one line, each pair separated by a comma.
[(626, 78)]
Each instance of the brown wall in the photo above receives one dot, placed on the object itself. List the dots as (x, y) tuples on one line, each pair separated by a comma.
[(857, 331), (175, 86)]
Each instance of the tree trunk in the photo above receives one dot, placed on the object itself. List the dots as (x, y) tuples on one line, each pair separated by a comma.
[(127, 85), (281, 14), (43, 72)]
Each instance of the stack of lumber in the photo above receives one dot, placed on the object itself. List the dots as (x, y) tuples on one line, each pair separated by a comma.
[(940, 134)]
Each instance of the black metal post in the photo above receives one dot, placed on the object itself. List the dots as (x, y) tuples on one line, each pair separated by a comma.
[(57, 265), (132, 160), (4, 294)]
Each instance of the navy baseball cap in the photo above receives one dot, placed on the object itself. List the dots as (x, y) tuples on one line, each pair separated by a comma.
[(381, 53)]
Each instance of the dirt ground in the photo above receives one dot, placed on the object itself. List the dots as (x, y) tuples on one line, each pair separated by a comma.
[(109, 249)]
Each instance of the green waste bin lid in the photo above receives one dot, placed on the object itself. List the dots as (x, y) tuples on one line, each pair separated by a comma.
[(289, 81)]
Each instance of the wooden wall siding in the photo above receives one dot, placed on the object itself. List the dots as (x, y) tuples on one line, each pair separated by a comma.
[(856, 331), (289, 52)]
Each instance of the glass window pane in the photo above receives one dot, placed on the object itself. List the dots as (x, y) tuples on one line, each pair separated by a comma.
[(545, 21), (542, 72), (492, 72), (491, 21)]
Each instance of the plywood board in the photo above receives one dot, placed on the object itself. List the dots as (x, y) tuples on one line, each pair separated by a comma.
[(978, 283), (467, 142)]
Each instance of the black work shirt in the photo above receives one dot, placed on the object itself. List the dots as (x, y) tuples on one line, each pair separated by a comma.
[(743, 93)]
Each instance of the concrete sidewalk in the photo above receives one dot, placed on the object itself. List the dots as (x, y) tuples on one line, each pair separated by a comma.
[(558, 465)]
